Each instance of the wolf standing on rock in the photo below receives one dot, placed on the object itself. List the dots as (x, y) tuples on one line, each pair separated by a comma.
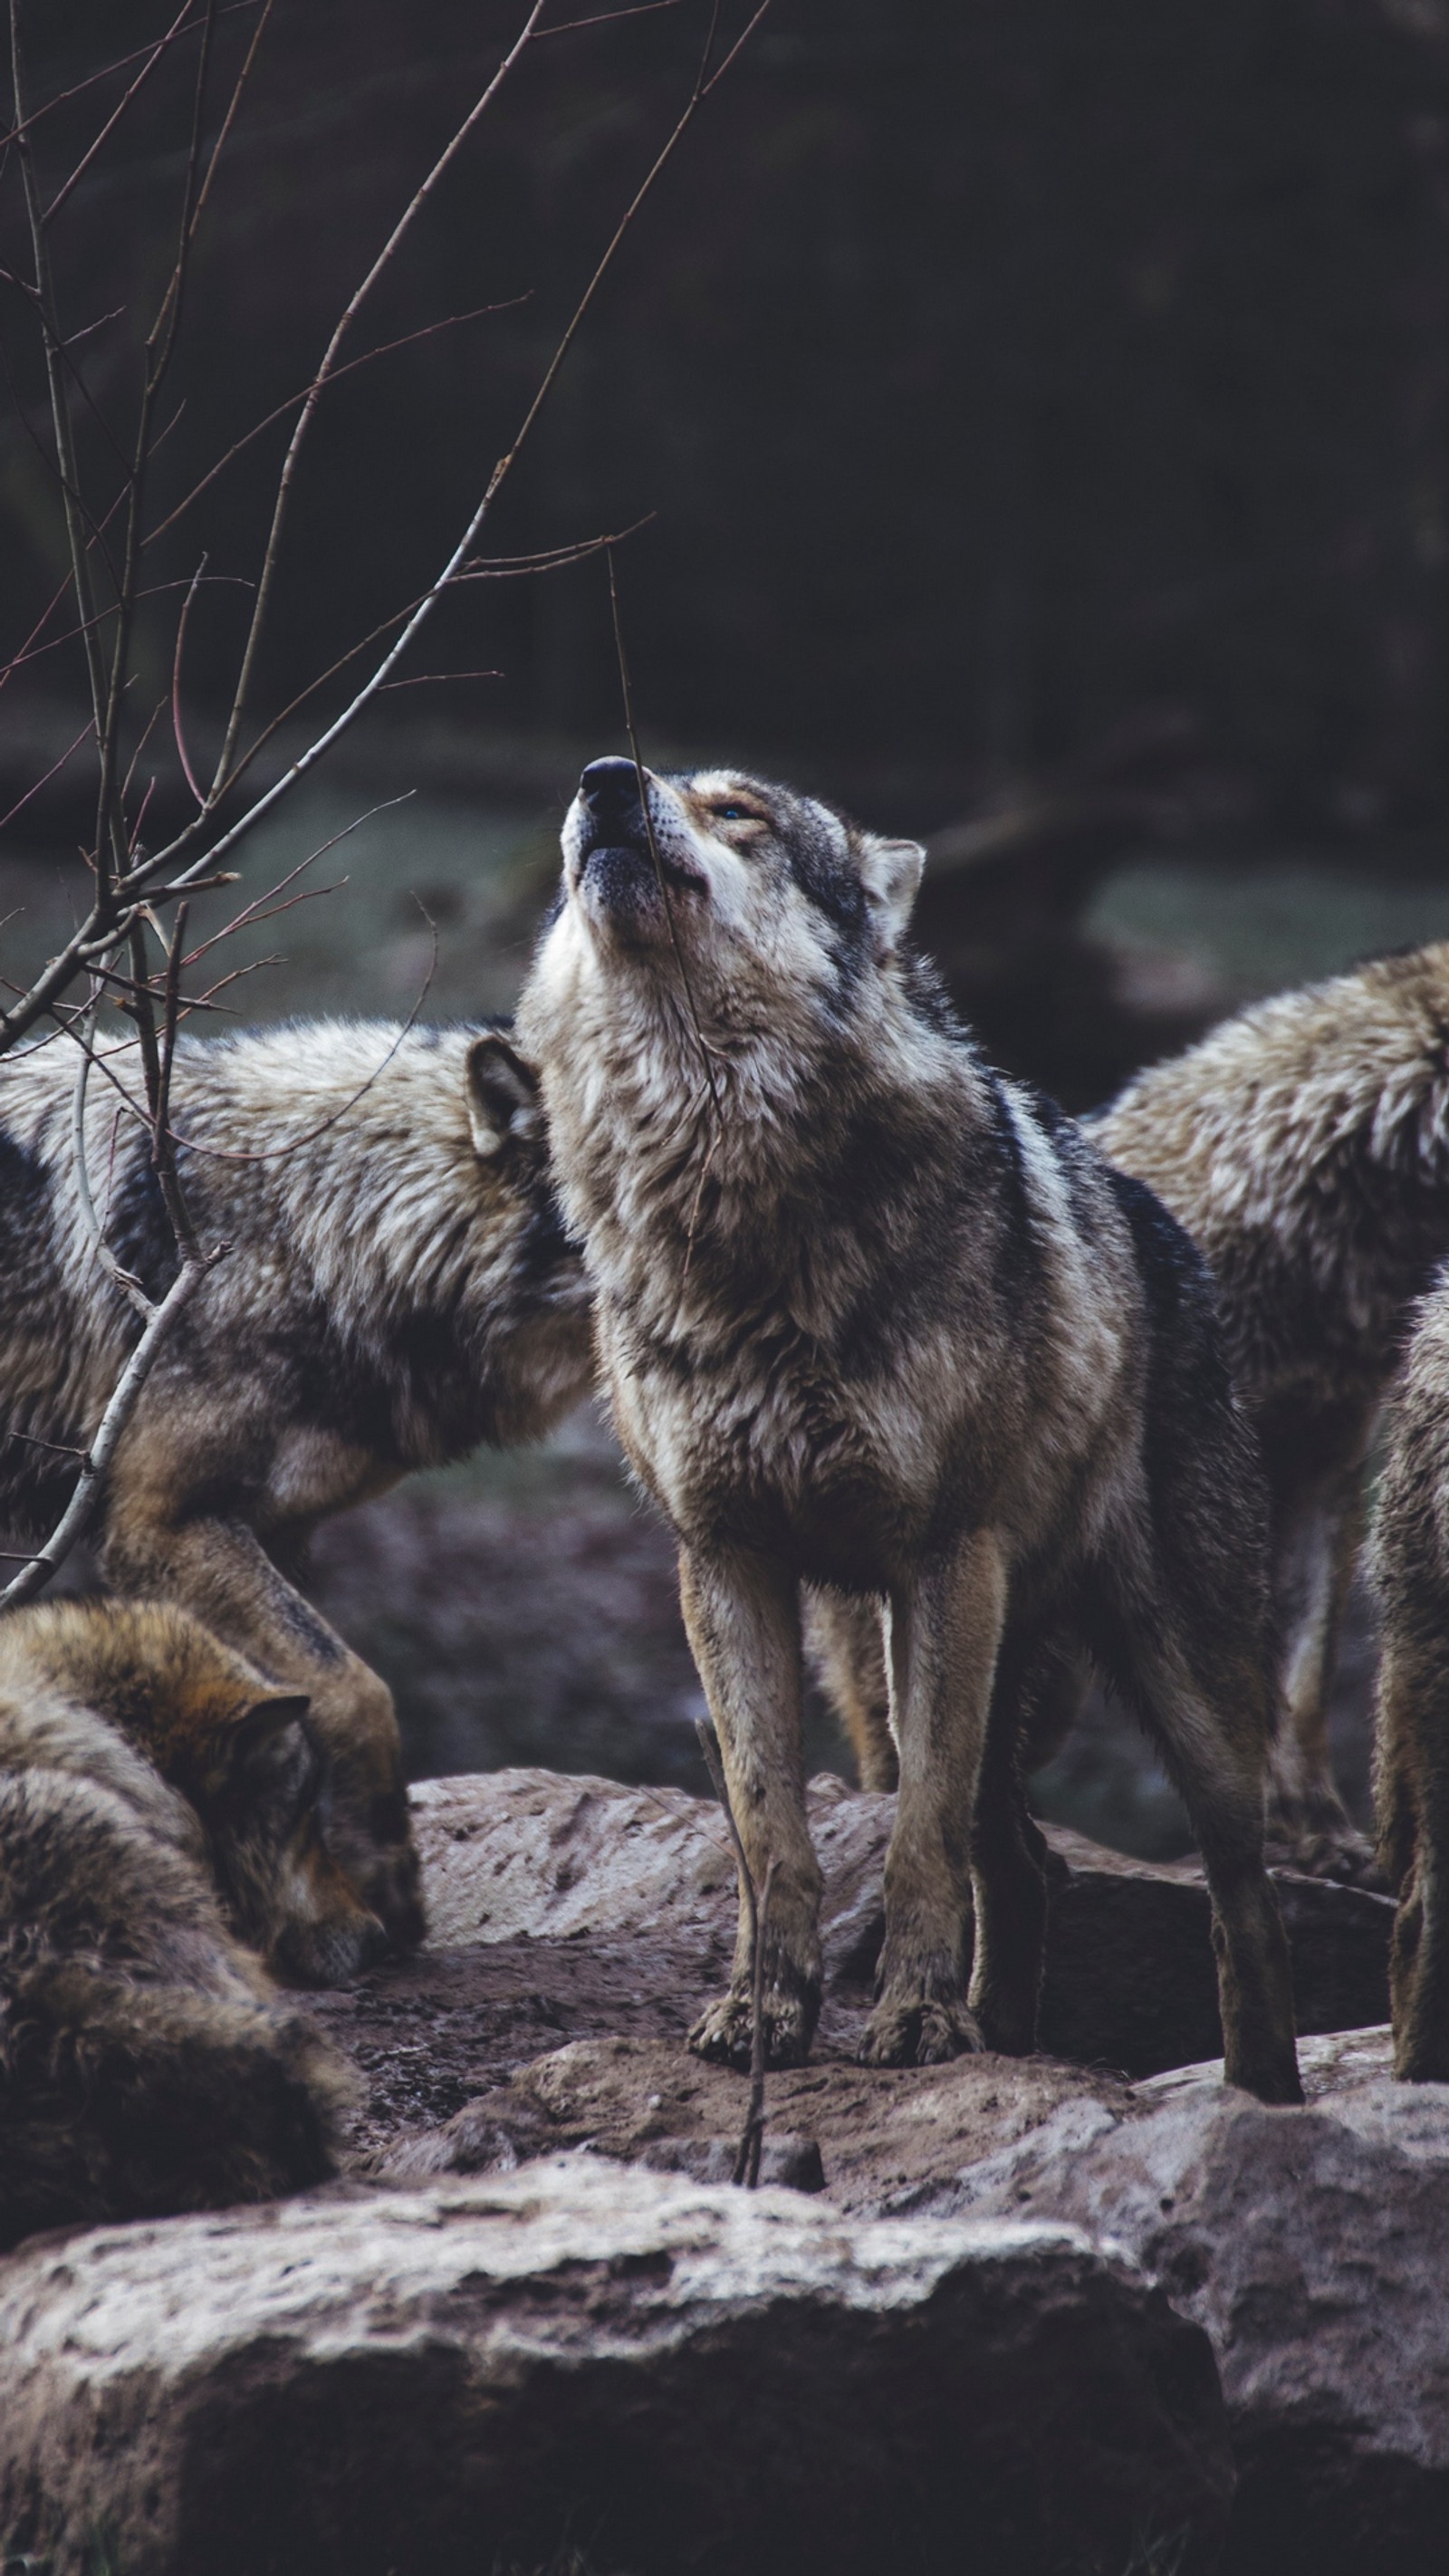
[(875, 1319), (397, 1289)]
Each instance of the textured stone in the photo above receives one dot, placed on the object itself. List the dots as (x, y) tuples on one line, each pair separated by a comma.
[(447, 2380), (1313, 2246), (1130, 1980)]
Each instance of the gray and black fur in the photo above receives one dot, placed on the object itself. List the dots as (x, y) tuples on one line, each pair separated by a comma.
[(883, 1322), (396, 1288), (1411, 1729), (147, 2063), (1305, 1146)]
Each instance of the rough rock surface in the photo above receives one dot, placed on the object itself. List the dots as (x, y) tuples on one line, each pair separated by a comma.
[(1313, 2245), (1130, 1981), (454, 2379)]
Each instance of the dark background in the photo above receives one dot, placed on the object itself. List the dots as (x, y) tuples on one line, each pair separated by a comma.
[(1042, 413), (1018, 387)]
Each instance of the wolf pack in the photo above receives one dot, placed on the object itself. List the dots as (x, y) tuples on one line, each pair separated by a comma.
[(960, 1400)]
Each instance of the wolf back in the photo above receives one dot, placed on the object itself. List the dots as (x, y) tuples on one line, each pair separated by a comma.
[(395, 1287)]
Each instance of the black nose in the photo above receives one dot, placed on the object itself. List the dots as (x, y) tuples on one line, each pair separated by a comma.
[(610, 787)]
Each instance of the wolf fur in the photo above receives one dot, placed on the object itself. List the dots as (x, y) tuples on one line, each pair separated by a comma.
[(397, 1288), (889, 1326), (1410, 1556), (1305, 1147), (147, 2064)]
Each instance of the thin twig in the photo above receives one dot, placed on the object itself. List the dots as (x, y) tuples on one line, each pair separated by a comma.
[(643, 786), (76, 1518), (752, 2136), (342, 326)]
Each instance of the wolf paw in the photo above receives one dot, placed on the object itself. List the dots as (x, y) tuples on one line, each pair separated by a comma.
[(926, 2032), (1334, 1851), (725, 2031)]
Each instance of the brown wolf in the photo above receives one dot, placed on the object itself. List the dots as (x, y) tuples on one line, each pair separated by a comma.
[(239, 1749), (397, 1289), (1305, 1147), (147, 2064), (1411, 1737), (885, 1323)]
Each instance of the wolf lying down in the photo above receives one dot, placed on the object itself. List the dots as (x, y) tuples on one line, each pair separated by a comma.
[(885, 1322), (147, 2063), (397, 1289)]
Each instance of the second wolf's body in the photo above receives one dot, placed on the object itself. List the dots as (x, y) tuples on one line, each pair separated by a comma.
[(1305, 1147), (147, 2063), (874, 1319), (1411, 1746), (396, 1288)]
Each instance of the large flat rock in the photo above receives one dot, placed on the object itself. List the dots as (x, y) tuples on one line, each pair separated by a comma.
[(1313, 2246), (460, 2378), (1130, 1981)]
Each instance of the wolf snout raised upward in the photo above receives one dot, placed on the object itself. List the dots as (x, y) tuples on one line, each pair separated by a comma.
[(874, 1318)]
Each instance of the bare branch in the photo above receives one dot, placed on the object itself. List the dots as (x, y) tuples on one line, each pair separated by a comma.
[(343, 325), (75, 1520)]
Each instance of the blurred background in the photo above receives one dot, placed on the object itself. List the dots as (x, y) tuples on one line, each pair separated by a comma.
[(1041, 420)]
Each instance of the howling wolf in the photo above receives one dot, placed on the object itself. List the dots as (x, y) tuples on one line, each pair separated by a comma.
[(396, 1289), (147, 2064), (875, 1319)]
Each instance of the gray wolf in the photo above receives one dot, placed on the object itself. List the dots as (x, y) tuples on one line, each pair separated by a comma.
[(884, 1323), (147, 2063), (1411, 1716), (397, 1288), (1304, 1145)]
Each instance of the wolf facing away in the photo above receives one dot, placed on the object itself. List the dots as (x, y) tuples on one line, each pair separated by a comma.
[(885, 1323), (1305, 1147), (1411, 1718), (397, 1289), (147, 2064)]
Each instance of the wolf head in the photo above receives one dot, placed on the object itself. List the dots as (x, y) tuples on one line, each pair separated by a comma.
[(742, 885), (239, 1749)]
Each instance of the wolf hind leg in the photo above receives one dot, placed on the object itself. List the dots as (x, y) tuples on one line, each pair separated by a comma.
[(742, 1617), (1411, 1782), (845, 1641), (945, 1635), (1316, 1471), (1208, 1712)]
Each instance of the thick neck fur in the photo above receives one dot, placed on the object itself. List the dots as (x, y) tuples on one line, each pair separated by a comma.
[(821, 1100)]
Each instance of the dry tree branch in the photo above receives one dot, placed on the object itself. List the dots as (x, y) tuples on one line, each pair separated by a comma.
[(747, 2160), (162, 865), (342, 326)]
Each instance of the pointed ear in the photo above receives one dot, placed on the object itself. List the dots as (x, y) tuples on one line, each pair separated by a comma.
[(502, 1092), (890, 871), (256, 1733)]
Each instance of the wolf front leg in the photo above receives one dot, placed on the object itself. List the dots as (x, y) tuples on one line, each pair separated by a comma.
[(218, 1569), (741, 1612), (945, 1635)]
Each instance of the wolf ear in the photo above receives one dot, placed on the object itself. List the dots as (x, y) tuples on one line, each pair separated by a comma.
[(890, 872), (264, 1721), (502, 1091)]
